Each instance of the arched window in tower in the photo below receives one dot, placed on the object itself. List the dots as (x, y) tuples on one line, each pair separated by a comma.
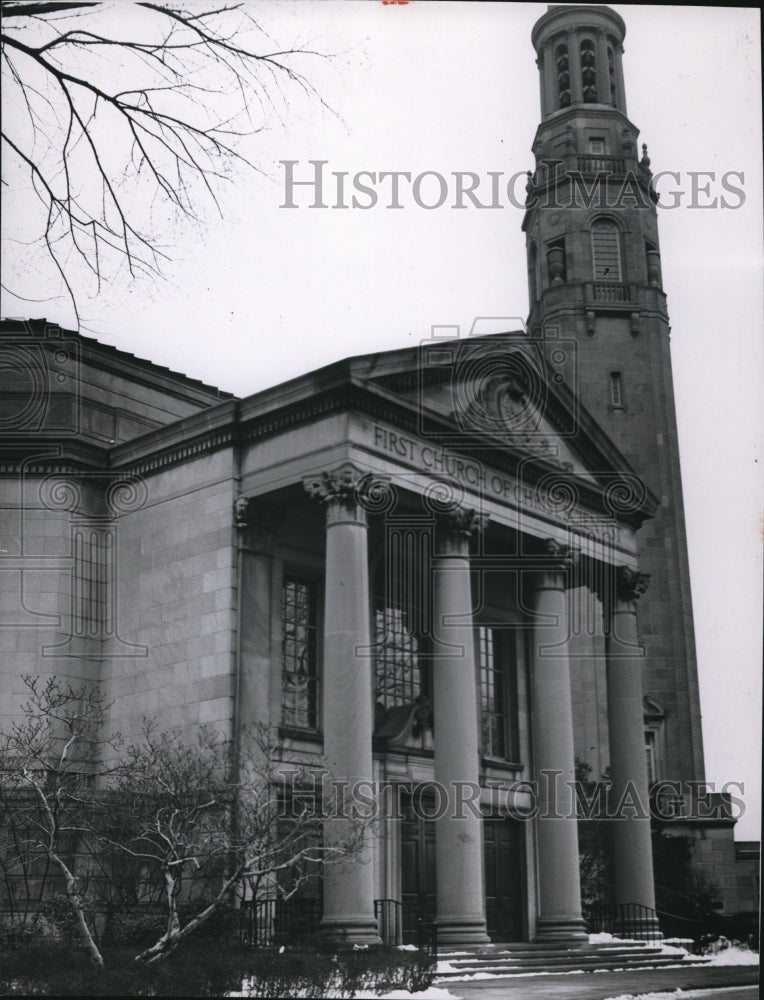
[(588, 72), (563, 76), (532, 287), (611, 74), (606, 251)]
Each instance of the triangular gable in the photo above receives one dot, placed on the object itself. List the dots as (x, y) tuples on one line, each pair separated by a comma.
[(503, 392)]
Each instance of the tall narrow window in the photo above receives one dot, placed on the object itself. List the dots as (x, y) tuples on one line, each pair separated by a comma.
[(650, 754), (299, 653), (616, 389), (563, 76), (532, 257), (401, 619), (497, 693), (606, 251), (398, 673), (588, 72), (611, 75)]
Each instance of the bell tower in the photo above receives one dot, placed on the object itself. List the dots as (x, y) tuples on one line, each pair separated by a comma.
[(594, 277)]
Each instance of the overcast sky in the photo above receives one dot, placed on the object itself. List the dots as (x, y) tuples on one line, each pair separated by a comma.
[(270, 292)]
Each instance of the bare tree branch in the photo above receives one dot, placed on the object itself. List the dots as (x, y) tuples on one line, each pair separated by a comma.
[(120, 124)]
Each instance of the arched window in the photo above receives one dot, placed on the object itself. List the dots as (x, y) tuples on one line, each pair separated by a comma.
[(606, 251), (588, 72), (563, 76)]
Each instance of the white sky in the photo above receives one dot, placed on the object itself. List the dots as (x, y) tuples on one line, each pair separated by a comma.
[(268, 293)]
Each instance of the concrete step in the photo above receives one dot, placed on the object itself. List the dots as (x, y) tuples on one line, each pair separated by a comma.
[(517, 960)]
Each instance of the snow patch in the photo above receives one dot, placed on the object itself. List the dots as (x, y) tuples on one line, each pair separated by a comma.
[(433, 993), (734, 956)]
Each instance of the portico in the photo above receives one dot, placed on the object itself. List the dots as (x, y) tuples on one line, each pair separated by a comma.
[(445, 616)]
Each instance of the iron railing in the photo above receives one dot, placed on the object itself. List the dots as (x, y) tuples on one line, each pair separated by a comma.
[(268, 922), (399, 924), (420, 929), (631, 921), (264, 922)]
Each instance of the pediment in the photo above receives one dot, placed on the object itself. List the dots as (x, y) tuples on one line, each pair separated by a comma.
[(500, 392)]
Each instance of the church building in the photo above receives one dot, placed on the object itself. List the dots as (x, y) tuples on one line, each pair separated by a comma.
[(449, 570)]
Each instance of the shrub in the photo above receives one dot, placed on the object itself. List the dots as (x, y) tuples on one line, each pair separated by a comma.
[(200, 968), (59, 916), (20, 932), (137, 929)]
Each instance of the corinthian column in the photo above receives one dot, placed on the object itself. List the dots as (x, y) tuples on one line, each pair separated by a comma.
[(634, 887), (347, 693), (459, 826), (559, 912)]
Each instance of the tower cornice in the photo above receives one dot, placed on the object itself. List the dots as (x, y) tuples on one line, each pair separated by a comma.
[(565, 16)]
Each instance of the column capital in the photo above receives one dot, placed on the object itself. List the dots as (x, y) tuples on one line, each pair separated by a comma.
[(630, 584), (456, 526), (559, 562), (350, 491)]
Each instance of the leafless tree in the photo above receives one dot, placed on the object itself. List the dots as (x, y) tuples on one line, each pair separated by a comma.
[(120, 117), (179, 811), (50, 763), (196, 821)]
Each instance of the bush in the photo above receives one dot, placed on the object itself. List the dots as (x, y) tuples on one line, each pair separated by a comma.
[(137, 929), (142, 928), (59, 915), (202, 968), (20, 932)]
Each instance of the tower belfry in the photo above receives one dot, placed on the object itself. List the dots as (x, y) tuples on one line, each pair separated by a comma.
[(594, 278)]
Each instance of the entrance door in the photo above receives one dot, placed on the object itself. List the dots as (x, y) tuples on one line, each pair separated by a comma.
[(504, 880), (417, 870)]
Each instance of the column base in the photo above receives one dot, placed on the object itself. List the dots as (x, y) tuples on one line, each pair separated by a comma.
[(553, 930), (461, 931), (351, 929)]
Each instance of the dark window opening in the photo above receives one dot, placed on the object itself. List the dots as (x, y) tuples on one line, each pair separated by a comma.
[(616, 389), (611, 75), (588, 72), (563, 76)]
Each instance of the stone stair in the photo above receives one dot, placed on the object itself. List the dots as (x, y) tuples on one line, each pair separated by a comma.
[(521, 959)]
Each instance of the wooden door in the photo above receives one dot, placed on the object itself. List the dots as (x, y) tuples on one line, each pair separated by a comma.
[(504, 880), (417, 871)]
